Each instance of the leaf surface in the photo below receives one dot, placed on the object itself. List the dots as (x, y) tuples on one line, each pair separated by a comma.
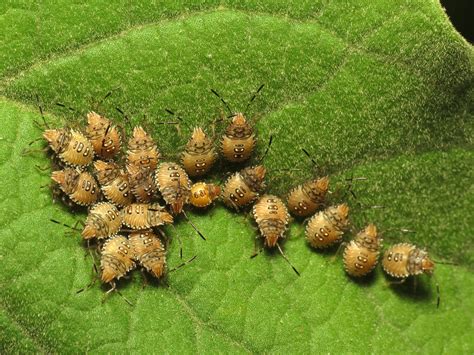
[(380, 90)]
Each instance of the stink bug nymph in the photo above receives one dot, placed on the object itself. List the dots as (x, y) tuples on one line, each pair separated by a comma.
[(243, 187), (238, 141), (404, 260), (149, 252), (199, 155), (116, 260), (80, 187), (71, 147), (103, 221), (104, 136), (142, 183), (326, 228), (305, 199), (362, 253), (202, 194), (113, 183), (142, 150), (174, 185), (271, 216), (140, 216)]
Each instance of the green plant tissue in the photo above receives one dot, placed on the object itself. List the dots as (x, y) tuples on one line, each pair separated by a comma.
[(375, 89)]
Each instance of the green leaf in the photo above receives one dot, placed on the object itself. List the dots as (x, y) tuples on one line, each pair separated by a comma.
[(382, 90)]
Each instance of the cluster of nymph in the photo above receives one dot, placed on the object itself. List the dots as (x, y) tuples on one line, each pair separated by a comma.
[(129, 197)]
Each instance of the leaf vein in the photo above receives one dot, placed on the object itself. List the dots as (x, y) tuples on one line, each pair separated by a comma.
[(200, 322)]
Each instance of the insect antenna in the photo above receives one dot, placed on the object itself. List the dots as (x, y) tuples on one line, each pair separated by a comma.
[(60, 104), (286, 258), (317, 169), (178, 192), (223, 101), (109, 126), (310, 157), (182, 264), (35, 140), (175, 115), (445, 262), (180, 242), (266, 151), (179, 118), (192, 225), (74, 227), (347, 189), (350, 184), (42, 114), (145, 118), (253, 98), (106, 96), (125, 117), (438, 298), (256, 253)]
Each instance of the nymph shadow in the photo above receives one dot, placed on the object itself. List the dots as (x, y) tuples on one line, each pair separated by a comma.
[(414, 288)]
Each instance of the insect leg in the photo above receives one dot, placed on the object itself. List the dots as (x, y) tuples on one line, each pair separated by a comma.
[(104, 297), (256, 250), (338, 251), (94, 279), (439, 298), (27, 151), (396, 282), (42, 168), (145, 278), (120, 294)]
